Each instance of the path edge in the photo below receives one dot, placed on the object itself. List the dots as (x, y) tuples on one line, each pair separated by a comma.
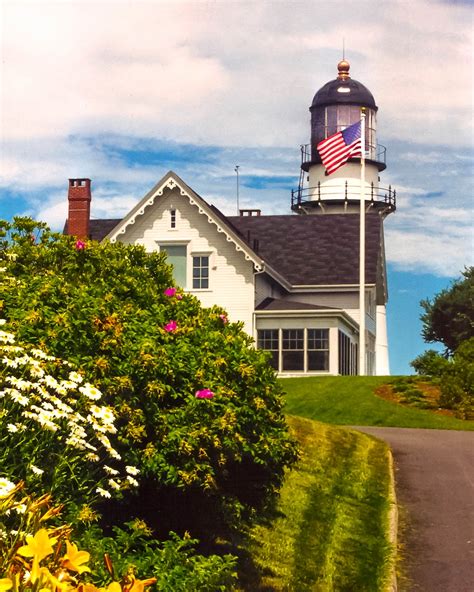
[(392, 526)]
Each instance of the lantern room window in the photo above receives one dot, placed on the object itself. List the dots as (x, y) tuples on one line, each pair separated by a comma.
[(326, 121)]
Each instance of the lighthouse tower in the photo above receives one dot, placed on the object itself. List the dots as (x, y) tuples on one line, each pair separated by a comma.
[(336, 106)]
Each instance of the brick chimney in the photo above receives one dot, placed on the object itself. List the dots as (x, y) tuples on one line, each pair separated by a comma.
[(79, 198)]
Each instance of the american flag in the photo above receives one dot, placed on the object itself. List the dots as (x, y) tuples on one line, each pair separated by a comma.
[(338, 148)]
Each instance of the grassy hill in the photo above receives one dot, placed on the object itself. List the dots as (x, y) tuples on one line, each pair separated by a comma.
[(330, 530), (350, 400)]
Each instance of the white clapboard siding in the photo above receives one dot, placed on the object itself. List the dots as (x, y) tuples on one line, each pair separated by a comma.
[(231, 276)]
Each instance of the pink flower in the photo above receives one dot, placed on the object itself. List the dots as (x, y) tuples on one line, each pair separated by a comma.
[(80, 245), (224, 318), (170, 292), (179, 296), (171, 326), (204, 394)]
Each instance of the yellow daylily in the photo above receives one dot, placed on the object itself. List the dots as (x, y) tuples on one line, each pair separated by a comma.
[(85, 587), (56, 582), (135, 585), (38, 546), (74, 558), (5, 584)]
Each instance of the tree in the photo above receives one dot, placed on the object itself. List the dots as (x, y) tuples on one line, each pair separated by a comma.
[(198, 408), (449, 317)]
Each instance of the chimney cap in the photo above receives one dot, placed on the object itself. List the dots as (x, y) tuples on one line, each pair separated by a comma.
[(79, 182)]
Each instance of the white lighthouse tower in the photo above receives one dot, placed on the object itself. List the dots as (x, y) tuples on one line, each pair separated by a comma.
[(336, 106)]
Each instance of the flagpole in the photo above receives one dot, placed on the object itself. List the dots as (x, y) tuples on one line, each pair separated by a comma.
[(362, 371)]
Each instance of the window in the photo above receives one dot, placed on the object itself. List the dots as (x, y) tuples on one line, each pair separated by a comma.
[(267, 339), (293, 349), (200, 272), (177, 258), (318, 349), (172, 218), (347, 355), (303, 350)]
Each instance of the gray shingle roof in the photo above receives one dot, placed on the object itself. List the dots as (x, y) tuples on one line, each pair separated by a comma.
[(99, 229), (314, 249)]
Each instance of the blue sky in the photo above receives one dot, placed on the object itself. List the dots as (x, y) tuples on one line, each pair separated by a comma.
[(122, 92)]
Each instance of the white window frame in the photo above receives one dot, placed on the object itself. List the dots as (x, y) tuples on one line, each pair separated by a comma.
[(200, 255)]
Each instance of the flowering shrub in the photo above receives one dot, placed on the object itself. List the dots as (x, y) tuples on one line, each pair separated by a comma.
[(112, 310), (54, 432)]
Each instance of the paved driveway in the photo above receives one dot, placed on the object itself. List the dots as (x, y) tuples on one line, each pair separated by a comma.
[(434, 473)]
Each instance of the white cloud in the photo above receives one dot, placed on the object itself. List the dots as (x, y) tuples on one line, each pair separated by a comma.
[(230, 73)]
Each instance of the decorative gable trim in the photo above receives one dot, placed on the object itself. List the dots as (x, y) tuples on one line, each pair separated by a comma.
[(171, 181)]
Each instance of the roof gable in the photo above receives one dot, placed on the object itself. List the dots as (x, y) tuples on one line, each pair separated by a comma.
[(171, 182)]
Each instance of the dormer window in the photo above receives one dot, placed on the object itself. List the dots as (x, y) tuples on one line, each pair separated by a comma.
[(172, 218)]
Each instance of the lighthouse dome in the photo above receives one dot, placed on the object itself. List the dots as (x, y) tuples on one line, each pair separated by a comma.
[(345, 90)]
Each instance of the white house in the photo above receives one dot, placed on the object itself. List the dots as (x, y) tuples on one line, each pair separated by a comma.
[(293, 279)]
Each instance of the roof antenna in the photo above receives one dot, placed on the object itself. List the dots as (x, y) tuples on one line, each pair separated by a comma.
[(237, 167)]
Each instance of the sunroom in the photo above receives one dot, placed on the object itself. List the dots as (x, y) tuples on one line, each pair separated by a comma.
[(311, 341)]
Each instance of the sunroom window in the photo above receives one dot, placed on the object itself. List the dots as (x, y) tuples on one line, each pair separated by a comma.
[(293, 349), (318, 349), (267, 339)]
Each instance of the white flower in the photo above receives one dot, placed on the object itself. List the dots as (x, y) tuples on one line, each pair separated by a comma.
[(50, 381), (39, 353), (110, 470), (90, 392), (103, 413), (6, 337), (75, 377), (17, 396), (103, 492), (132, 481), (10, 363), (6, 487), (2, 321), (132, 470), (113, 484), (20, 508), (36, 470), (36, 371), (12, 428), (22, 385), (93, 457)]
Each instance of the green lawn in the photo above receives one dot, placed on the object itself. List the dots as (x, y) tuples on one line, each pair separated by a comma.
[(330, 531), (350, 400)]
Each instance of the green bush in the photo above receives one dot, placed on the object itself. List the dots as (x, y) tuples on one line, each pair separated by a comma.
[(430, 363), (457, 381), (198, 408), (174, 562)]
